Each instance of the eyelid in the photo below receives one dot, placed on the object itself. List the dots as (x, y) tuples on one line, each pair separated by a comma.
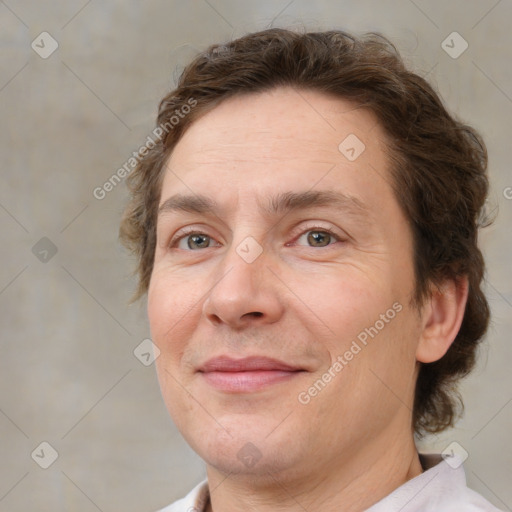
[(187, 231), (301, 229), (296, 233)]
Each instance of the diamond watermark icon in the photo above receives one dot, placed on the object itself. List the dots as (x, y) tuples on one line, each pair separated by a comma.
[(454, 45), (351, 147), (249, 455), (248, 249), (146, 352), (44, 250), (44, 455), (454, 455), (44, 45)]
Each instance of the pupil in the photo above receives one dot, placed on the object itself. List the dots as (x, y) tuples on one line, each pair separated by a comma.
[(196, 241), (318, 238)]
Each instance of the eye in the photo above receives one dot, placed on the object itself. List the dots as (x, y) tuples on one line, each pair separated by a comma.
[(194, 241), (317, 238)]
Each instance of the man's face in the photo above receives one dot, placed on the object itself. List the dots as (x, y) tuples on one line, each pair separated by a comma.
[(296, 257)]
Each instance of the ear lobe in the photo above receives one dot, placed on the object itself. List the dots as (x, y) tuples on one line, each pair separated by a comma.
[(442, 316)]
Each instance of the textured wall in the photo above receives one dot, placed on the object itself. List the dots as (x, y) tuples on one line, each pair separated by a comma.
[(68, 373)]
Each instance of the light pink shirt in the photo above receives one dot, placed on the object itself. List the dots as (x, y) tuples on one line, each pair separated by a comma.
[(440, 488)]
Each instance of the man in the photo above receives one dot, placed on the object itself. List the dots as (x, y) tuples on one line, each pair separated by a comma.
[(306, 230)]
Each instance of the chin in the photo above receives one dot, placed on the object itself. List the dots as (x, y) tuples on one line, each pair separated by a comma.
[(248, 449)]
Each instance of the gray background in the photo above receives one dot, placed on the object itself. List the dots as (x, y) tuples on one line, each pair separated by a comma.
[(68, 373)]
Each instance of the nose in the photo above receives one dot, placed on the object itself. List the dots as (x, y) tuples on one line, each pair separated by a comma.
[(246, 293)]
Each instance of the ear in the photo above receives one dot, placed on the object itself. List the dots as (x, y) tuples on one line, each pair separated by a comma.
[(442, 316)]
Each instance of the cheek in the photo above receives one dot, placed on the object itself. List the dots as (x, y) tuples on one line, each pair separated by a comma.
[(390, 363), (170, 300), (366, 321), (340, 301), (174, 307), (171, 314)]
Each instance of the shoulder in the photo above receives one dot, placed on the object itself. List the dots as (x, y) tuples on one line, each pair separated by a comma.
[(474, 502), (194, 501), (453, 493), (462, 500)]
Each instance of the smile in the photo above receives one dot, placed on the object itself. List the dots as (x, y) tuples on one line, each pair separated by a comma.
[(246, 375)]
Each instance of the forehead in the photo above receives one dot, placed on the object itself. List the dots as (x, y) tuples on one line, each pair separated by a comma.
[(286, 138), (284, 114)]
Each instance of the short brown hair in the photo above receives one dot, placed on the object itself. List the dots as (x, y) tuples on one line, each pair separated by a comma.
[(438, 168)]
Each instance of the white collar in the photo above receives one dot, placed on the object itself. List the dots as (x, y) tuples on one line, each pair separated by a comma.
[(438, 479)]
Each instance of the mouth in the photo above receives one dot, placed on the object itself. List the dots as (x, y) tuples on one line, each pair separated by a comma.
[(246, 375)]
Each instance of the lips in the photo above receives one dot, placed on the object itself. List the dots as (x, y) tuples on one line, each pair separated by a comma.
[(246, 375), (248, 364)]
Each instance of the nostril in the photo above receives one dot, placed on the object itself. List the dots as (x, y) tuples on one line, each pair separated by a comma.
[(256, 314)]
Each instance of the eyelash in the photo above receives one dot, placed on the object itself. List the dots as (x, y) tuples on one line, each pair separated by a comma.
[(304, 230), (185, 233), (193, 231)]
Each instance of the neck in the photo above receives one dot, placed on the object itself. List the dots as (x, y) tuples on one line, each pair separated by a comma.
[(352, 486)]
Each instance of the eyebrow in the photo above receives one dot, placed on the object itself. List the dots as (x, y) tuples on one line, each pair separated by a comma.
[(279, 204)]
